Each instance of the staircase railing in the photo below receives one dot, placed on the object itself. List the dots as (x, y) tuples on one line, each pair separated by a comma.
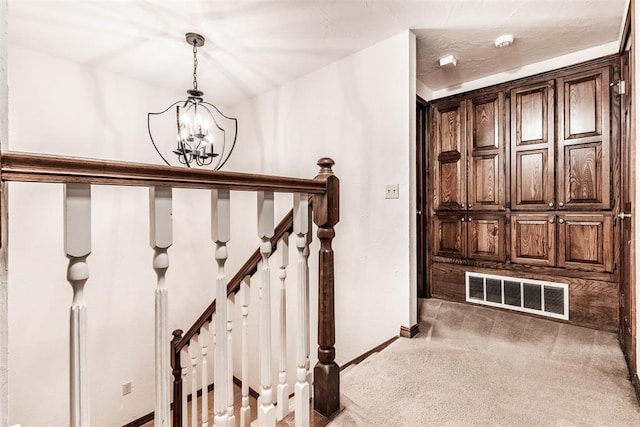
[(78, 175), (240, 281)]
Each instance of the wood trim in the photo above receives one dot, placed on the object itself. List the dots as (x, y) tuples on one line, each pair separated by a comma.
[(151, 415), (248, 269), (574, 272), (29, 167), (363, 356), (411, 332), (635, 382), (626, 31), (422, 179)]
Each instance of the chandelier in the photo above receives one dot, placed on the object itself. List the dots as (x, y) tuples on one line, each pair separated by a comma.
[(202, 137)]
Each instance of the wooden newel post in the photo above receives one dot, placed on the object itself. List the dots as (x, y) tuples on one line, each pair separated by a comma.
[(177, 378), (326, 373)]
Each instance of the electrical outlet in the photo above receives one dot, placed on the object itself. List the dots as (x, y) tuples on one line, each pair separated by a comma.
[(126, 388), (392, 191)]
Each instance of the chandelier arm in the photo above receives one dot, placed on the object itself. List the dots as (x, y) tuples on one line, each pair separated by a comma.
[(219, 112), (233, 144), (149, 129)]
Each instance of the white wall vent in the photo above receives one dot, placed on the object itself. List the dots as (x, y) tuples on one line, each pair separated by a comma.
[(530, 296)]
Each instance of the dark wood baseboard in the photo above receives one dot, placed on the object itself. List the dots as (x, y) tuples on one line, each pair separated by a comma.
[(150, 416), (409, 332), (368, 353)]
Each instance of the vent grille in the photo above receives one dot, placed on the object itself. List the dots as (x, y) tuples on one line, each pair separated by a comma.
[(530, 296)]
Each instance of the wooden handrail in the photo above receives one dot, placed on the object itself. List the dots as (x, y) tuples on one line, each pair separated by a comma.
[(248, 269), (29, 167)]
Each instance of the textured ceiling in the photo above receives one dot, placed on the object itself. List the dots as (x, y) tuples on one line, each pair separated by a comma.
[(253, 46)]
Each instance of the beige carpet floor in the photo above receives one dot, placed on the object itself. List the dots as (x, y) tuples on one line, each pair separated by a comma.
[(472, 365)]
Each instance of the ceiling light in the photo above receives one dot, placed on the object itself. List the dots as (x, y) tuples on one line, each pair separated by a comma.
[(202, 129), (448, 61), (504, 41)]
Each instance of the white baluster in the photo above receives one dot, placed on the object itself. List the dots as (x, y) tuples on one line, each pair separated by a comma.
[(77, 242), (283, 387), (194, 353), (203, 338), (245, 410), (266, 409), (302, 387), (161, 238), (184, 356), (230, 305), (220, 234)]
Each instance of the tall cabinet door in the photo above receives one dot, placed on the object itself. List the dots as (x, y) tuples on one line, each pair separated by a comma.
[(533, 239), (449, 185), (485, 136), (584, 140), (532, 147)]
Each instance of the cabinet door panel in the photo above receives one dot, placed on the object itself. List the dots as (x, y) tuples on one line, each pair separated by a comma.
[(533, 239), (532, 147), (449, 235), (584, 141), (485, 123), (449, 189), (531, 166), (486, 236), (585, 242)]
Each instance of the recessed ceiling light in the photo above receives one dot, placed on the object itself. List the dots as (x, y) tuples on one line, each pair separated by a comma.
[(504, 40), (448, 61)]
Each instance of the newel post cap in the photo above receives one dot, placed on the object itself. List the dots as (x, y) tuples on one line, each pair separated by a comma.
[(325, 164)]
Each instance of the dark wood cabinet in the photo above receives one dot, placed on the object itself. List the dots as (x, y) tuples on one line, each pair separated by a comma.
[(585, 241), (469, 154), (486, 237), (522, 182), (485, 151), (532, 147), (584, 156), (449, 154), (533, 239), (449, 236), (478, 236)]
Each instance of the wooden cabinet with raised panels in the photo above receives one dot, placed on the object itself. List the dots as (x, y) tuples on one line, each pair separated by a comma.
[(584, 158), (524, 181), (449, 156), (485, 152), (486, 237), (572, 240), (585, 241), (479, 236), (468, 153), (449, 235), (532, 147), (533, 239)]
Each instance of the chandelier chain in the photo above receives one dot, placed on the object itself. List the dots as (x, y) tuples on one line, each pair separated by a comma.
[(195, 66)]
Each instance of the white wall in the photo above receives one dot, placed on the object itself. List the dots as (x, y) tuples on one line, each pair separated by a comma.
[(358, 112)]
